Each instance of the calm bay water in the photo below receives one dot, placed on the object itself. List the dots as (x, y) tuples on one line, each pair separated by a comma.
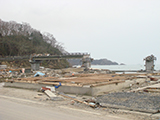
[(123, 67)]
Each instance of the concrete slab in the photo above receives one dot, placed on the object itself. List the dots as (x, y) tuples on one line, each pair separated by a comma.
[(86, 90), (111, 88), (31, 86), (75, 90)]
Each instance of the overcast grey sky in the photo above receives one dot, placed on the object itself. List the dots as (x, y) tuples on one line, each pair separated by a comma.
[(124, 31)]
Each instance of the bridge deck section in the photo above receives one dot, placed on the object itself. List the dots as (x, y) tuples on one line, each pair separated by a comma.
[(39, 57)]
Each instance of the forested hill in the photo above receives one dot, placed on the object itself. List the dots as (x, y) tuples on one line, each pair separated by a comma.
[(103, 62), (21, 39), (94, 62)]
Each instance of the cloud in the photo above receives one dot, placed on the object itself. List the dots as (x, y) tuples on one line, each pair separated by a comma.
[(121, 30)]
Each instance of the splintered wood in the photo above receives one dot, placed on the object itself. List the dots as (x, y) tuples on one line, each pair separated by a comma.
[(79, 80)]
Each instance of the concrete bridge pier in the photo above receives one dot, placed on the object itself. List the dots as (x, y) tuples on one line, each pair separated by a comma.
[(149, 63), (35, 64), (86, 61)]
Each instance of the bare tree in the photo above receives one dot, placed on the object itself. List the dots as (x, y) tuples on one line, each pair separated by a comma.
[(60, 47), (49, 38)]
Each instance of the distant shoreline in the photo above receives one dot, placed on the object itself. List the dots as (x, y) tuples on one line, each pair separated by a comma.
[(94, 62), (124, 67)]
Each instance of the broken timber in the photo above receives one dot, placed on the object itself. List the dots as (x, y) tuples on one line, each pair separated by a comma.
[(72, 98), (50, 94)]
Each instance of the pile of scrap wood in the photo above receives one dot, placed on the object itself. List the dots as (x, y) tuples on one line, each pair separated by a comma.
[(90, 103), (91, 80), (53, 96), (150, 88)]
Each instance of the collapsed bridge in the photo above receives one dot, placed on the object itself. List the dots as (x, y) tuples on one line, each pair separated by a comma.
[(36, 59)]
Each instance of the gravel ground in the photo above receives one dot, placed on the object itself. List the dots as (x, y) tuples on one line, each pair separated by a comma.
[(144, 101)]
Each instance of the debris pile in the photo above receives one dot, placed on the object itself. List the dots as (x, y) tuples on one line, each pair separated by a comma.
[(88, 102), (53, 95), (140, 91), (77, 80)]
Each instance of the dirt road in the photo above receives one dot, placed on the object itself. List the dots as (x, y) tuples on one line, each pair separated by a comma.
[(22, 104), (28, 110)]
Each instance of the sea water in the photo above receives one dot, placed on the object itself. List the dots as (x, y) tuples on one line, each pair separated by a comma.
[(124, 67)]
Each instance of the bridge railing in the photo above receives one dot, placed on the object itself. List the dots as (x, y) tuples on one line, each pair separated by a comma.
[(64, 55), (75, 54), (8, 58)]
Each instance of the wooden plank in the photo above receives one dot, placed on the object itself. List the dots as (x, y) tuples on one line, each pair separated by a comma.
[(29, 79), (50, 94), (152, 90), (48, 80), (147, 87), (35, 78), (57, 83)]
